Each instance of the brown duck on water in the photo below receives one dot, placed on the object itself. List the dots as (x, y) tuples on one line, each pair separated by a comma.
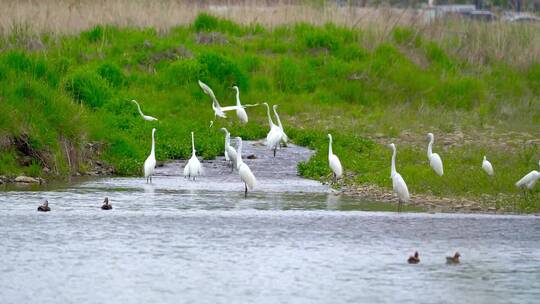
[(44, 207), (106, 205), (414, 259)]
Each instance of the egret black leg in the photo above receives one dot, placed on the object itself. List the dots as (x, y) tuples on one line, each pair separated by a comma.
[(245, 192), (275, 148)]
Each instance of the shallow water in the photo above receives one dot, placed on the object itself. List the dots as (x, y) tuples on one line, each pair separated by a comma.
[(290, 241)]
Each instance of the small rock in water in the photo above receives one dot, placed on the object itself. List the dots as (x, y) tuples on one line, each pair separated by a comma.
[(26, 180), (251, 156)]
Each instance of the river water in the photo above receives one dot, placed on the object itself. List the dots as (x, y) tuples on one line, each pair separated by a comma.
[(290, 241)]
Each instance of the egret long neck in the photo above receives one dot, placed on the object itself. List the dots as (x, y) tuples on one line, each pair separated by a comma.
[(153, 151), (192, 144), (139, 108), (330, 147), (227, 139), (393, 169), (270, 122), (430, 145), (238, 97), (239, 153), (277, 118)]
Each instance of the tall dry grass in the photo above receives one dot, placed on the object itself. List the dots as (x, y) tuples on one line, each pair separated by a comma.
[(475, 42)]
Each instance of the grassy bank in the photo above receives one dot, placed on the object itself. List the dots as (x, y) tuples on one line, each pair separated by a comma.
[(58, 93)]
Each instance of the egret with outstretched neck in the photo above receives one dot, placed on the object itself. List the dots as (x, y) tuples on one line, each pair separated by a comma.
[(487, 167), (230, 152), (333, 161), (274, 136), (218, 110), (434, 159), (193, 167), (244, 171), (284, 137), (398, 183), (240, 112), (145, 117), (150, 162)]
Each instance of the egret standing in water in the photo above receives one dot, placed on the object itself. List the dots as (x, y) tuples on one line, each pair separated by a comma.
[(434, 159), (193, 167), (333, 161), (240, 112), (244, 171), (486, 165), (150, 162), (145, 117), (274, 136), (398, 183), (230, 152), (284, 137)]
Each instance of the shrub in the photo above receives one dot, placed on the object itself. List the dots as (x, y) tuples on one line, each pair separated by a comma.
[(88, 88), (437, 56), (182, 72), (222, 69), (112, 73), (94, 34), (206, 22), (287, 75)]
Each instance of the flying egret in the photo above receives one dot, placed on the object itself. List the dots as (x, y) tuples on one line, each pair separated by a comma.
[(333, 161), (244, 171), (284, 137), (398, 184), (274, 136), (150, 162), (529, 181), (218, 110), (240, 112), (434, 159), (193, 167), (486, 165), (145, 117), (230, 152)]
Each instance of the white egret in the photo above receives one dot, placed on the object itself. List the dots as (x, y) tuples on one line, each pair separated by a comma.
[(486, 165), (529, 181), (218, 110), (284, 137), (240, 112), (333, 161), (434, 159), (145, 117), (211, 123), (150, 162), (398, 183), (193, 167), (230, 152), (274, 136), (244, 171)]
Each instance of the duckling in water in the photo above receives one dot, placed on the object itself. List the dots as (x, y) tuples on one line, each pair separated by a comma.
[(414, 259), (44, 207), (106, 205), (453, 259)]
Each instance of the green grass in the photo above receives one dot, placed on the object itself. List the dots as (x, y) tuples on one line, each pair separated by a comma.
[(78, 90)]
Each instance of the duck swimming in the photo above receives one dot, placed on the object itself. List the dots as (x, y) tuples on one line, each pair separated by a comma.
[(106, 205), (44, 207), (414, 259), (453, 259)]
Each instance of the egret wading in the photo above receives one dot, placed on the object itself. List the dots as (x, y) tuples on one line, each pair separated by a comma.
[(150, 162), (274, 136), (333, 161), (244, 171), (193, 167), (398, 183), (230, 152), (284, 137)]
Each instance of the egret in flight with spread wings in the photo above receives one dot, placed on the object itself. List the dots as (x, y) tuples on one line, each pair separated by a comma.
[(218, 110), (145, 117), (274, 136), (193, 167), (398, 183), (284, 137), (240, 112), (244, 171), (150, 162), (230, 152), (333, 161), (434, 159)]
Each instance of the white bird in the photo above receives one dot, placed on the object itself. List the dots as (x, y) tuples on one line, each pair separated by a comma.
[(529, 181), (398, 183), (150, 162), (240, 112), (193, 167), (284, 137), (211, 123), (244, 171), (230, 152), (486, 165), (274, 136), (145, 117), (218, 110), (333, 161), (434, 159)]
